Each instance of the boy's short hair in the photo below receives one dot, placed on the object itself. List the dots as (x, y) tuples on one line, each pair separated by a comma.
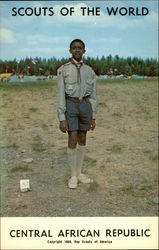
[(77, 40)]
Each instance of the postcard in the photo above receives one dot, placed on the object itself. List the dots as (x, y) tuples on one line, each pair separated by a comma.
[(79, 124)]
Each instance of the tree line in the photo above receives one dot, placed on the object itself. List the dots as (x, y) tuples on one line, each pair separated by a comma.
[(102, 66)]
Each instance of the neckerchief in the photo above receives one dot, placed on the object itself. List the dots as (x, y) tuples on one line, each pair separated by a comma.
[(78, 66)]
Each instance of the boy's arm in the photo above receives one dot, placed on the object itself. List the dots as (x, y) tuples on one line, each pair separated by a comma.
[(93, 97), (61, 102)]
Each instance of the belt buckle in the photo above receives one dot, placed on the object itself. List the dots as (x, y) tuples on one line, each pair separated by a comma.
[(80, 98)]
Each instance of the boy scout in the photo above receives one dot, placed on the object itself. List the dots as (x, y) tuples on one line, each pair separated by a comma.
[(76, 108)]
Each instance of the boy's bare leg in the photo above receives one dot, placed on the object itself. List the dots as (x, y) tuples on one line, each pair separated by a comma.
[(81, 138), (72, 139)]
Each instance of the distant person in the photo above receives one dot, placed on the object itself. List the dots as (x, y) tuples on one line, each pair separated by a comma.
[(76, 108)]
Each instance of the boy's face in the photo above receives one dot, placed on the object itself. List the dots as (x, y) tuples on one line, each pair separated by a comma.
[(77, 50)]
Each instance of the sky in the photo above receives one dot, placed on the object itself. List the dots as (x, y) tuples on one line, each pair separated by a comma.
[(50, 36)]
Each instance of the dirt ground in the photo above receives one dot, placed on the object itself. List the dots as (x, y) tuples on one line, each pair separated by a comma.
[(121, 153)]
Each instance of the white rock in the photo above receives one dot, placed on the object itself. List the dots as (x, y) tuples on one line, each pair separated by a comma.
[(28, 160), (25, 185)]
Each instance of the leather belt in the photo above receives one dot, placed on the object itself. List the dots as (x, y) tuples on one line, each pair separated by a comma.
[(79, 99)]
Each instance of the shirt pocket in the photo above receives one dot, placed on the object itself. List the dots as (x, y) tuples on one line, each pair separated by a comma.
[(70, 76), (70, 79), (70, 83)]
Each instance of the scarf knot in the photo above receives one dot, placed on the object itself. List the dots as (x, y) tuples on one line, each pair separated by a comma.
[(78, 67)]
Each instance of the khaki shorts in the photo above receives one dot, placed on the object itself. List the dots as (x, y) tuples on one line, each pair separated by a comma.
[(78, 114)]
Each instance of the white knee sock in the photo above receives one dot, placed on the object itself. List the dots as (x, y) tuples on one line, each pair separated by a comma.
[(80, 158), (72, 159)]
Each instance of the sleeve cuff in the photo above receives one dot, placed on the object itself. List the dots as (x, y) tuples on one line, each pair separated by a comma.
[(94, 115), (62, 118)]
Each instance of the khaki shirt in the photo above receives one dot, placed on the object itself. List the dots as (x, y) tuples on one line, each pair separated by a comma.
[(67, 83)]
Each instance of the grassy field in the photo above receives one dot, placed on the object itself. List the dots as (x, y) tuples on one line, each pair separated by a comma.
[(121, 155)]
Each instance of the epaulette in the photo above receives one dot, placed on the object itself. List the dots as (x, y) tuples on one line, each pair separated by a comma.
[(86, 64), (66, 64), (60, 67), (59, 70)]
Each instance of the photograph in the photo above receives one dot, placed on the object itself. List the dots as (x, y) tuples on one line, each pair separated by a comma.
[(79, 110)]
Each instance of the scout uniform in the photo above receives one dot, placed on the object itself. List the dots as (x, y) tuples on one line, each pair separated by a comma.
[(77, 104)]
